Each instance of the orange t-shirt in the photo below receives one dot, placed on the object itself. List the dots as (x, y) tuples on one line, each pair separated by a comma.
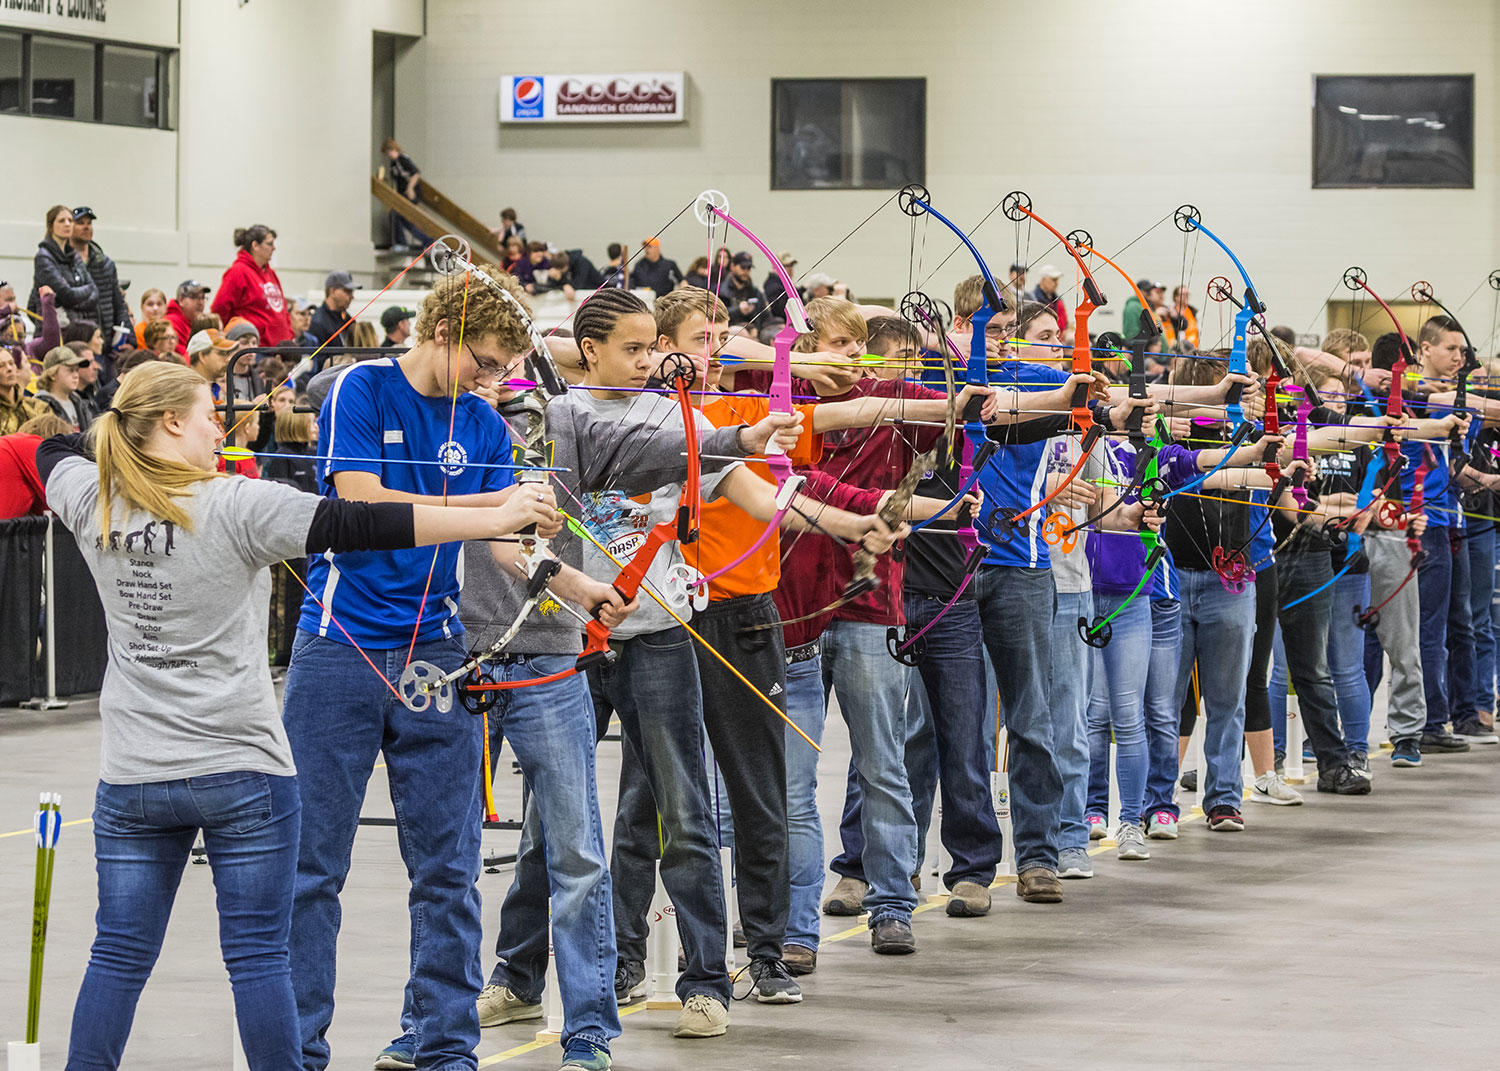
[(725, 530)]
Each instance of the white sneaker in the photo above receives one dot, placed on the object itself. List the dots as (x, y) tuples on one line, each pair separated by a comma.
[(1270, 788), (498, 1006), (1132, 841), (701, 1017)]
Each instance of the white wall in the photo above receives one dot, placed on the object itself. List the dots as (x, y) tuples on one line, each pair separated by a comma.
[(1110, 114), (273, 108)]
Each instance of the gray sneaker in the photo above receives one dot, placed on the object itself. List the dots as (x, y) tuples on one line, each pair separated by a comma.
[(1074, 863), (1132, 841)]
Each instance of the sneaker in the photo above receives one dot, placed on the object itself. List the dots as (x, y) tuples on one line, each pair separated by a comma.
[(1038, 885), (1132, 841), (398, 1056), (773, 983), (1309, 756), (1270, 788), (1406, 753), (739, 937), (969, 900), (1225, 819), (1343, 781), (1444, 741), (1189, 780), (585, 1056), (1473, 730), (702, 1016), (630, 982), (1163, 826), (1280, 763), (847, 898), (892, 936), (498, 1006), (799, 959), (1098, 827), (1359, 762), (1074, 863)]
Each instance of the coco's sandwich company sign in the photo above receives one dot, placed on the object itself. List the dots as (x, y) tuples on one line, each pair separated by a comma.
[(646, 97)]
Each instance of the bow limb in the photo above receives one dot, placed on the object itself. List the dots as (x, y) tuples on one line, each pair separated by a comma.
[(1422, 291)]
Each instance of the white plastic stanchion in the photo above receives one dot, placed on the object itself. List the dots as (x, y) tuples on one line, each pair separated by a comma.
[(661, 950), (23, 1057), (552, 1008), (50, 700), (731, 905), (1196, 759), (237, 1056), (1000, 796), (1114, 789), (1296, 772)]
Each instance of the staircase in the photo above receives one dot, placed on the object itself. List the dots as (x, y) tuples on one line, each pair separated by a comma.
[(437, 214)]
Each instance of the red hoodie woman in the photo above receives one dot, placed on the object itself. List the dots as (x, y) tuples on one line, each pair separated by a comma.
[(251, 289)]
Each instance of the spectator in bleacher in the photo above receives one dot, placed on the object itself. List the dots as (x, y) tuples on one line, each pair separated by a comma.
[(775, 292), (89, 387), (16, 406), (57, 386), (1014, 291), (112, 311), (13, 328), (515, 254), (250, 287), (697, 273), (21, 490), (654, 271), (1046, 293), (248, 383), (153, 308), (739, 292), (301, 316), (613, 271), (570, 272), (396, 323), (333, 314), (536, 260), (160, 338), (509, 228), (128, 360), (186, 307), (205, 320), (57, 265), (403, 174)]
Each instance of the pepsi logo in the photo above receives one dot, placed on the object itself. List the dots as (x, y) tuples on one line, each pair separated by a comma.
[(528, 92)]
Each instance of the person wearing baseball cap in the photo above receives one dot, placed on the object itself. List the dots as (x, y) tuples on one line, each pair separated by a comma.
[(1130, 315), (57, 385), (655, 271), (112, 311), (396, 323), (186, 307), (775, 292), (1046, 293), (333, 314), (739, 292)]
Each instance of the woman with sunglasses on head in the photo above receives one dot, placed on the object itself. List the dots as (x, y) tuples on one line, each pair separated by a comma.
[(179, 554)]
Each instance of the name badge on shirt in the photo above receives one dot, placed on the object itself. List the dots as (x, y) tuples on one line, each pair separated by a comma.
[(393, 436)]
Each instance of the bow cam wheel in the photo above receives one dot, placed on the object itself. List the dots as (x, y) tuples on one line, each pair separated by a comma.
[(913, 199), (1016, 206), (1096, 635), (1354, 278), (708, 205), (1187, 218)]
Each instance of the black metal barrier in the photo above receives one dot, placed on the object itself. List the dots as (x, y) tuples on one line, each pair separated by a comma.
[(78, 618)]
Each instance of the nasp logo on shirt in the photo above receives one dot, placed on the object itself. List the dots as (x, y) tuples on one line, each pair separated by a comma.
[(526, 97), (453, 458)]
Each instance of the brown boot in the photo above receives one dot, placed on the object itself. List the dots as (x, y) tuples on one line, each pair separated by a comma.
[(1038, 885), (847, 898), (969, 900)]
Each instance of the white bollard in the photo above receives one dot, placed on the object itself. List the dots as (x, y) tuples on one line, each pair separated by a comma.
[(237, 1056), (1000, 796), (1296, 773), (50, 700), (1196, 759), (23, 1057), (552, 1007), (1114, 789), (731, 905), (661, 950)]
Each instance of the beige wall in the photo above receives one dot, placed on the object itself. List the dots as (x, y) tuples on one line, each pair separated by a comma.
[(1109, 113)]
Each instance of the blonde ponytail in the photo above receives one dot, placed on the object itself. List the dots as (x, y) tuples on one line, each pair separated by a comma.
[(120, 435)]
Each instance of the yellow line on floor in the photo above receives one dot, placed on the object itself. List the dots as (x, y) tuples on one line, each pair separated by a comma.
[(533, 1046)]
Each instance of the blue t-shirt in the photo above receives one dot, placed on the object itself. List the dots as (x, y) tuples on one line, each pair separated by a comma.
[(1434, 488), (1016, 476), (372, 412)]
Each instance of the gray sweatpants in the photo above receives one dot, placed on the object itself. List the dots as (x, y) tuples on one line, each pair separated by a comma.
[(1398, 630)]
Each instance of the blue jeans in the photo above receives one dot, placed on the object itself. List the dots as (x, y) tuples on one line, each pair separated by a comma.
[(1461, 698), (340, 717), (950, 679), (1480, 545), (1346, 659), (551, 730), (142, 837), (1226, 623), (665, 805), (1016, 608), (807, 707), (1117, 706), (1161, 709), (871, 688), (1070, 680), (1434, 582)]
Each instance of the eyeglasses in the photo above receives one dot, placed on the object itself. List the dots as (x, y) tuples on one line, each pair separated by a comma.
[(485, 369)]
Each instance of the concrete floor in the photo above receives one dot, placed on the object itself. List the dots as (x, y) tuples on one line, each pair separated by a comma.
[(1348, 933)]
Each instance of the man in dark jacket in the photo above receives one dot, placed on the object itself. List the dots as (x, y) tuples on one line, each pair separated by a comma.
[(113, 311), (739, 292), (654, 271), (338, 295)]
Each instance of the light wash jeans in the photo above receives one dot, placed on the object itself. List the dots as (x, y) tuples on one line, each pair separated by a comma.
[(1160, 708), (1069, 684), (807, 707), (1117, 708)]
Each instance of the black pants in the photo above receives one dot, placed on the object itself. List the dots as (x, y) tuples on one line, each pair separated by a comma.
[(1304, 636), (1257, 701)]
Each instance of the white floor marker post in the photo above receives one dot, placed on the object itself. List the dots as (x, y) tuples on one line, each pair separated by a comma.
[(1114, 789), (1000, 795), (50, 700), (23, 1057), (731, 905), (1196, 759), (552, 1008), (1296, 773), (237, 1058), (661, 950)]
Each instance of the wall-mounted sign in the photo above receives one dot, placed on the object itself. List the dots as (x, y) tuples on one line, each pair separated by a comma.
[(152, 22), (645, 97)]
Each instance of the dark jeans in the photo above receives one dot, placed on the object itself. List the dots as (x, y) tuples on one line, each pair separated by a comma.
[(340, 717), (1304, 630), (1481, 554), (1257, 700), (1462, 701), (945, 748), (142, 837), (1016, 607), (665, 807)]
